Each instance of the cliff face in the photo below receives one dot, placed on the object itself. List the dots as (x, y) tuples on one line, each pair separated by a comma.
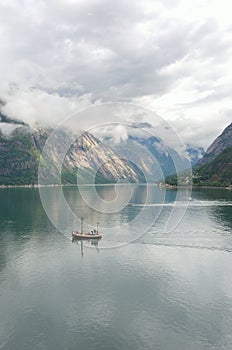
[(153, 157), (217, 172), (89, 153), (222, 142), (21, 147), (20, 155), (215, 168)]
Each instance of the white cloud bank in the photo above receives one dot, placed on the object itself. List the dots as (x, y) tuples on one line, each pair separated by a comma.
[(173, 57)]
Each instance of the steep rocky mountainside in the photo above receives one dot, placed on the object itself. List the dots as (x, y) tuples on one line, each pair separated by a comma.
[(215, 168), (20, 150), (152, 156), (89, 153), (107, 161), (222, 142), (217, 172)]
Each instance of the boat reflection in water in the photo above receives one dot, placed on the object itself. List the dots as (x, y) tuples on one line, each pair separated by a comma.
[(93, 243)]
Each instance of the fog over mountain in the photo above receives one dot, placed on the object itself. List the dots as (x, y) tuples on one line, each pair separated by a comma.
[(172, 57)]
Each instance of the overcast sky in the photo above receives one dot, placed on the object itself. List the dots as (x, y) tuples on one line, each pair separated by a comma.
[(173, 57)]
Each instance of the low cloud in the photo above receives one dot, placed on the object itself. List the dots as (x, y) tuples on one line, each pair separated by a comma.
[(172, 57), (34, 106)]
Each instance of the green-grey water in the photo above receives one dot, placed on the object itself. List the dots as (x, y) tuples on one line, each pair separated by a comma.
[(165, 290)]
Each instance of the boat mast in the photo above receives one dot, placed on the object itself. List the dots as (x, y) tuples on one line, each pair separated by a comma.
[(97, 226), (82, 221)]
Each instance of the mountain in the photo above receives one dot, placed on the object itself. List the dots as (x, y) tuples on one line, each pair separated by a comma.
[(7, 120), (217, 172), (19, 157), (21, 147), (151, 154), (222, 142), (215, 168), (139, 154), (194, 154), (88, 153)]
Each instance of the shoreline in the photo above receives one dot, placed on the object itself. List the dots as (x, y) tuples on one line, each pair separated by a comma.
[(197, 187), (114, 183), (76, 185)]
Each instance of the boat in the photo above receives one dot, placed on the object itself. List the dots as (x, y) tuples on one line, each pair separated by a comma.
[(86, 235), (94, 234)]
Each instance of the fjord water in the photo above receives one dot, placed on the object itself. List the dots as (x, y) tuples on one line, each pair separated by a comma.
[(166, 290)]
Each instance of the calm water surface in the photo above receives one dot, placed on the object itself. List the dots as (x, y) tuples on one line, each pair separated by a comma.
[(163, 291)]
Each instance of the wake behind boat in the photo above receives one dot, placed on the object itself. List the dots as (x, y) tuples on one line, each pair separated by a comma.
[(93, 234)]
